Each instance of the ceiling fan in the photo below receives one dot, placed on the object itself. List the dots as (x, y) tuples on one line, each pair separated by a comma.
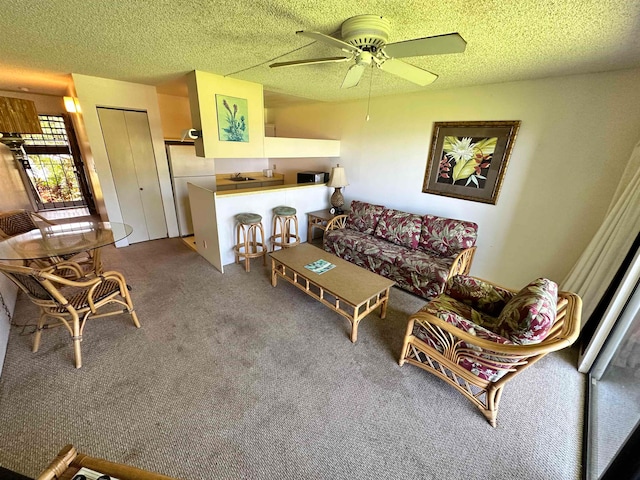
[(364, 39)]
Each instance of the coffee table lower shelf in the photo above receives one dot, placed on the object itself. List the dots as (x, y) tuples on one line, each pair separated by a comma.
[(352, 311)]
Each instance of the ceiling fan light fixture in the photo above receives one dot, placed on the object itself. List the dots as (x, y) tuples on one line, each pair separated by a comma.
[(367, 32)]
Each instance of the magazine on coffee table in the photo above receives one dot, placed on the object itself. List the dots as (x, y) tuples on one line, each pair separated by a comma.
[(87, 474), (320, 266)]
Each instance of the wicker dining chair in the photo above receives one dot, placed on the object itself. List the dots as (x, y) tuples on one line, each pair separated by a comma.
[(16, 222), (71, 302), (477, 336)]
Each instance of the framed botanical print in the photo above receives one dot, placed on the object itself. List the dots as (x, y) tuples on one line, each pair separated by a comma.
[(233, 119), (468, 160)]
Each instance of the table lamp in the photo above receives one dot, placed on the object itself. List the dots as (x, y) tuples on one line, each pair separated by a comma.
[(338, 180), (17, 116)]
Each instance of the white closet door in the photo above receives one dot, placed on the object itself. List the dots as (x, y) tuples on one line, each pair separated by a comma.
[(128, 142)]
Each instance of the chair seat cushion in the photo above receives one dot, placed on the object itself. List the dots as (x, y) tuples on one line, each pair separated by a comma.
[(528, 317), (284, 210), (458, 314), (247, 218)]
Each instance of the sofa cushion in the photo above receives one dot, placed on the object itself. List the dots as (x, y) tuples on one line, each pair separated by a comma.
[(528, 317), (379, 249), (399, 227), (446, 236), (364, 217), (343, 237), (364, 250)]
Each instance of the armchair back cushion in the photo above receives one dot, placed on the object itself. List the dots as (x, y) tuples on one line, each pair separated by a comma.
[(446, 236), (528, 317), (479, 294), (364, 217), (399, 227)]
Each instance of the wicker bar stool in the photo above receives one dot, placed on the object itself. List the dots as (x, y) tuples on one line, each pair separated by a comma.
[(284, 223), (247, 246)]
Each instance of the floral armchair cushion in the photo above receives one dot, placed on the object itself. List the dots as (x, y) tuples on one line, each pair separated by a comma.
[(446, 236), (529, 315), (399, 227), (481, 295), (364, 217), (462, 316)]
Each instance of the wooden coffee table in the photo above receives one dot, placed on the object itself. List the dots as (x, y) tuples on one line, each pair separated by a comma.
[(347, 289)]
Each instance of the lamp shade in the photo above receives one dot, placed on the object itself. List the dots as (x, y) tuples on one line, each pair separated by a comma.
[(18, 116), (338, 178)]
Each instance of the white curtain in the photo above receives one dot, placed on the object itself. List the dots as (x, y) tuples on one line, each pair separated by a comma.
[(595, 269)]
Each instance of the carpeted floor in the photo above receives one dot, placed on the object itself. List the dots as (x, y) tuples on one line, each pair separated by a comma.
[(231, 378)]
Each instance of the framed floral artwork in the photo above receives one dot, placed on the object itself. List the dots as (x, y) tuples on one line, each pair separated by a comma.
[(233, 119), (468, 160)]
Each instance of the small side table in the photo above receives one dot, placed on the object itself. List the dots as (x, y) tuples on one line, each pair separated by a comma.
[(319, 219)]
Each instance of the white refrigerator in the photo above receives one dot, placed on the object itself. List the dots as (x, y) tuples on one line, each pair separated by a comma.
[(186, 167)]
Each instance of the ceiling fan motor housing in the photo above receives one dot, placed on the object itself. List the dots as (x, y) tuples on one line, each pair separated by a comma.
[(367, 32)]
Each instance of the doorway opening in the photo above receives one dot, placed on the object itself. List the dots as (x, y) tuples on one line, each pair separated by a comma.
[(55, 169)]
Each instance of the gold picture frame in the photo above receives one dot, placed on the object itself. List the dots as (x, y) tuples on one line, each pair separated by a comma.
[(468, 160)]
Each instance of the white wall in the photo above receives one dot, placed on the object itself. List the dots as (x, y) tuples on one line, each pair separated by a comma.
[(96, 92), (576, 135)]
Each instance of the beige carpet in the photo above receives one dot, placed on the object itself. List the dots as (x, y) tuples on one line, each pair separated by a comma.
[(231, 378)]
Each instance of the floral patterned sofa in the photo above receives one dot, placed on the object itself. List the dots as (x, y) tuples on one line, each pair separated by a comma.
[(477, 335), (418, 252)]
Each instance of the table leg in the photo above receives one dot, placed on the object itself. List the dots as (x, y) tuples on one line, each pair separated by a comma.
[(383, 307), (274, 277), (354, 324), (97, 261), (309, 230)]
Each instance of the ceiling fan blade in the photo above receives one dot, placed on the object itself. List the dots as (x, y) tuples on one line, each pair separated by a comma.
[(408, 72), (354, 74), (310, 61), (437, 45), (334, 42)]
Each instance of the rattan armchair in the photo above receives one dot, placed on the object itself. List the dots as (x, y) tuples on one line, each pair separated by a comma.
[(459, 338), (16, 222), (70, 303)]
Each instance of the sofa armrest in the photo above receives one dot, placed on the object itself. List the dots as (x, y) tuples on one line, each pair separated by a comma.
[(462, 263), (339, 221)]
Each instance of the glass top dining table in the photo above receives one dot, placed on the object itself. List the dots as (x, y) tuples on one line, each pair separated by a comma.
[(62, 239)]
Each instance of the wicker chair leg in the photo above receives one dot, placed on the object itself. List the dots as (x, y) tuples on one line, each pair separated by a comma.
[(77, 352), (493, 399), (127, 298), (77, 338), (265, 246), (405, 346), (134, 316), (38, 334)]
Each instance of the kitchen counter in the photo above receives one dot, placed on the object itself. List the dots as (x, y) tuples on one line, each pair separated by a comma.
[(214, 213), (224, 182)]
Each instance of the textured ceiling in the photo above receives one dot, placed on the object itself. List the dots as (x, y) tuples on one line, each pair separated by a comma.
[(157, 41)]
